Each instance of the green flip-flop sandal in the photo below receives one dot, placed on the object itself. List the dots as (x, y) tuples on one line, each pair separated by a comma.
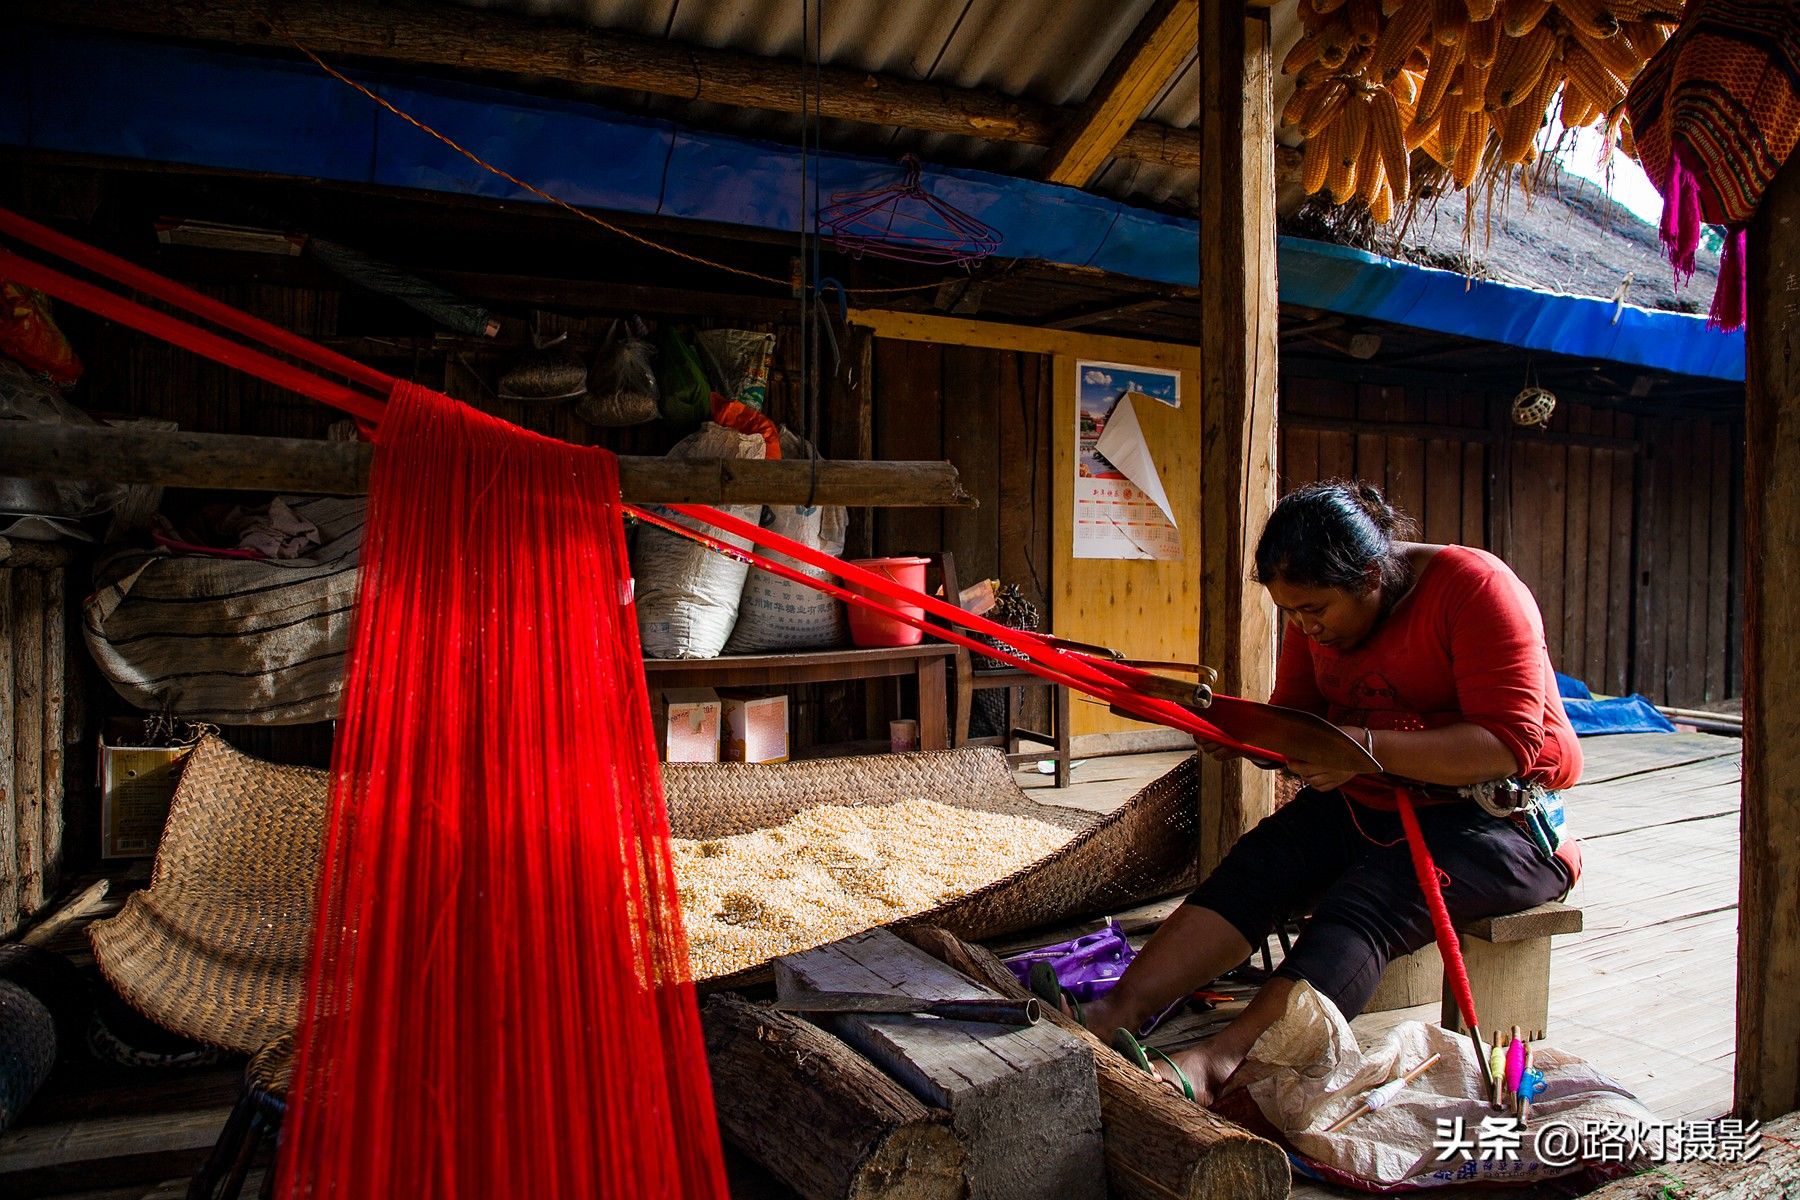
[(1127, 1044), (1046, 987)]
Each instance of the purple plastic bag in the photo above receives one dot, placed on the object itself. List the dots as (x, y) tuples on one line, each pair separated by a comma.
[(1087, 967)]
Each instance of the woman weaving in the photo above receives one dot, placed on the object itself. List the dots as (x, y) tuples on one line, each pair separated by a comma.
[(1433, 658)]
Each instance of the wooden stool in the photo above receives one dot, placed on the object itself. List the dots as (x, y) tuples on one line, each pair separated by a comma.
[(256, 1116), (1508, 960)]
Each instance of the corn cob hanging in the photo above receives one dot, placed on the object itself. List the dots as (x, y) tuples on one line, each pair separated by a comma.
[(1468, 83)]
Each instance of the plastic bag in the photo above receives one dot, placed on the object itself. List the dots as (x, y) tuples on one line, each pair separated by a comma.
[(622, 387), (686, 395), (687, 595), (29, 335), (38, 509), (739, 361)]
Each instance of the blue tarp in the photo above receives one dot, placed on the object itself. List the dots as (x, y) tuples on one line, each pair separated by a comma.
[(80, 93), (1625, 714)]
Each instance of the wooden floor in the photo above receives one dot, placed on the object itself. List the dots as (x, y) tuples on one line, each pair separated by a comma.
[(1646, 991)]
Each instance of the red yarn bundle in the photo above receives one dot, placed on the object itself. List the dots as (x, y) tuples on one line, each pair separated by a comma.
[(499, 1002)]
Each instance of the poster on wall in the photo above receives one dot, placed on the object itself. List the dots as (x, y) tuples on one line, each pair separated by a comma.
[(1121, 508)]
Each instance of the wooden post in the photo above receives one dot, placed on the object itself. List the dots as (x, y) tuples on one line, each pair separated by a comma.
[(1237, 370), (818, 1115), (9, 791), (1768, 996), (56, 669)]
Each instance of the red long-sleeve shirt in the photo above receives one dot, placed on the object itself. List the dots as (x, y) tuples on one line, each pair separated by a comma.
[(1466, 644)]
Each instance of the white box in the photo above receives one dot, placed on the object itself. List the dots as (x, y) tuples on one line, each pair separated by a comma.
[(136, 785), (690, 727), (756, 727)]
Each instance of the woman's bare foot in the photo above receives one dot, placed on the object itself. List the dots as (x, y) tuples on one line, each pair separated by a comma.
[(1209, 1065), (1206, 1066)]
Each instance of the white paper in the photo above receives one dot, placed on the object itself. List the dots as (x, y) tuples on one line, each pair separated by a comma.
[(1122, 444)]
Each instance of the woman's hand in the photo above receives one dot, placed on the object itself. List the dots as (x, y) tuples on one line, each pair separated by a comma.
[(1216, 751), (1319, 777)]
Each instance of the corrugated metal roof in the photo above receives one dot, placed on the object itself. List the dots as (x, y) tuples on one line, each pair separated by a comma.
[(1053, 51)]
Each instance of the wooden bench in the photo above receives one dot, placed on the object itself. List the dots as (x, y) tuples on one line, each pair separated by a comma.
[(1508, 960), (927, 662)]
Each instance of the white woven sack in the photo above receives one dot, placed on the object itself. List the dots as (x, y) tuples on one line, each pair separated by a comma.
[(776, 613), (687, 595)]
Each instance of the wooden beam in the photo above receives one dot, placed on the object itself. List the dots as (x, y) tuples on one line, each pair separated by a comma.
[(1239, 353), (1157, 48), (997, 335), (234, 462), (412, 31), (1768, 992), (1095, 313)]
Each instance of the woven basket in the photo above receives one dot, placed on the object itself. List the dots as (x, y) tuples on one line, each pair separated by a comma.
[(1147, 848), (216, 947)]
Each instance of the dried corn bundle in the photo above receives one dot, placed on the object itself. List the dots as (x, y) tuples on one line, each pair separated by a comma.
[(836, 870), (1469, 83)]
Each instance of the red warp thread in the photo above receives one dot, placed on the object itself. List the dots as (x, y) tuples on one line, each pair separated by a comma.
[(499, 1001), (455, 1040), (1427, 872)]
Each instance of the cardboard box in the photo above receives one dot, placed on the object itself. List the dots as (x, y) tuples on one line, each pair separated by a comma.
[(136, 785), (690, 725), (756, 727)]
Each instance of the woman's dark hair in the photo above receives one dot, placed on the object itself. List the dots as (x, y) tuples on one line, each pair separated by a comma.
[(1329, 534)]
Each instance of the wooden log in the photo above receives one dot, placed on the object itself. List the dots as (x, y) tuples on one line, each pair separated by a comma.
[(27, 629), (1775, 1171), (819, 1116), (235, 462), (411, 31), (1238, 353), (1768, 1006), (9, 792), (1022, 1101), (1158, 1145)]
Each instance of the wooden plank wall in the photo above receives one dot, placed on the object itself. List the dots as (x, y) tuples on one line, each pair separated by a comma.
[(1626, 527), (1145, 609), (35, 717), (988, 412)]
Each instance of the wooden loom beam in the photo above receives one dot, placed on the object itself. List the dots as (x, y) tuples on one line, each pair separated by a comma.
[(1157, 48), (410, 31), (234, 462)]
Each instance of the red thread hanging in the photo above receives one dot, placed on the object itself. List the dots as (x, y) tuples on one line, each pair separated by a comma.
[(499, 1002), (408, 1081)]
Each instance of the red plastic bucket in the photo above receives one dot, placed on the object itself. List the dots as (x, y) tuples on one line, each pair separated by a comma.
[(877, 629)]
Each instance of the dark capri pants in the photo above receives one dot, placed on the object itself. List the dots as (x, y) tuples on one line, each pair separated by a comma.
[(1365, 901)]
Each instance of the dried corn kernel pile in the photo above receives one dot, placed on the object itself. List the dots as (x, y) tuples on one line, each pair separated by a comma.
[(835, 870), (1465, 82)]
